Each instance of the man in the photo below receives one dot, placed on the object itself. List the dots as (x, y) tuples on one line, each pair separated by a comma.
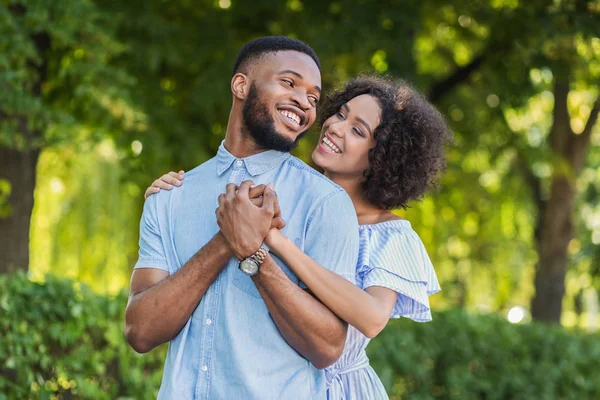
[(239, 324)]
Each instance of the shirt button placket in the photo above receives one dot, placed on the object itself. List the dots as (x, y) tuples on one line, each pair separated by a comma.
[(238, 173)]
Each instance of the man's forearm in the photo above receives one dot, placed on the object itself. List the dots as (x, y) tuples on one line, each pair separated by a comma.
[(306, 324), (156, 314)]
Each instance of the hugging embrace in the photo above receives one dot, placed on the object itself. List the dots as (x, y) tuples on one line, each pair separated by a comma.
[(268, 278)]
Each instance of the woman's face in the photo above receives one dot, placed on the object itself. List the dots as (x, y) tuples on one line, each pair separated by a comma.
[(347, 136)]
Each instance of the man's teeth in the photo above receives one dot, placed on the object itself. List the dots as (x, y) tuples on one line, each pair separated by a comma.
[(294, 117), (330, 146)]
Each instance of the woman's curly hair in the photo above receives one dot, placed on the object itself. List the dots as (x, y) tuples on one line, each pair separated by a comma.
[(408, 156)]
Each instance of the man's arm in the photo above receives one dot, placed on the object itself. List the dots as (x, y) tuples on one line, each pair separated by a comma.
[(160, 305), (307, 325)]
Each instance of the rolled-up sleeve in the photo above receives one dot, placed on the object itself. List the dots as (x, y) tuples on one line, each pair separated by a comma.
[(332, 235), (151, 252)]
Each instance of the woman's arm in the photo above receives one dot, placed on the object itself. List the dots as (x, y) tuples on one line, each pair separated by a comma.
[(367, 310)]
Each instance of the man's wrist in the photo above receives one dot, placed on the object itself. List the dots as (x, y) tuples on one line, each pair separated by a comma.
[(251, 265), (252, 250), (223, 245)]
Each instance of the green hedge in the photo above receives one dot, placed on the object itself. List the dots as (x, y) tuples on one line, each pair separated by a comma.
[(61, 339), (466, 356)]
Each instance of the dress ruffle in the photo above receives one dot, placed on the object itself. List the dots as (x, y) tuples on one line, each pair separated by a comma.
[(393, 256)]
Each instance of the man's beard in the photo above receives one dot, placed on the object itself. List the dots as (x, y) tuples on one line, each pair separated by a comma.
[(262, 127)]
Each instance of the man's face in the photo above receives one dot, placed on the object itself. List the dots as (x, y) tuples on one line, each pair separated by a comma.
[(282, 99)]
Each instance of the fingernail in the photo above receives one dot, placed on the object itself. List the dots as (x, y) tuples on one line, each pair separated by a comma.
[(271, 186)]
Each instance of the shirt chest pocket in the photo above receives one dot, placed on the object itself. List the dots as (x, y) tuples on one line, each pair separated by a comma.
[(244, 283)]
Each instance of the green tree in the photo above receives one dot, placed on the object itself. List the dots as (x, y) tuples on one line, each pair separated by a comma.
[(57, 85), (535, 90), (154, 79)]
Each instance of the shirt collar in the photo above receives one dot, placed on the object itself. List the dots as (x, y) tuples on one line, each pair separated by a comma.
[(255, 165)]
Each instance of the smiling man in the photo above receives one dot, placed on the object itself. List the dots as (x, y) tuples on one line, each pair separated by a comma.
[(239, 324)]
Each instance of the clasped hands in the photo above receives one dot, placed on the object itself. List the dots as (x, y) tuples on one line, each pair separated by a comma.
[(246, 214)]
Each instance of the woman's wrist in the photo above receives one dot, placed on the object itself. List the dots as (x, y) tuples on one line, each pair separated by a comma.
[(273, 239)]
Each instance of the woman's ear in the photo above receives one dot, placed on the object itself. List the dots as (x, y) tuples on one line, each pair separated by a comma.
[(239, 86)]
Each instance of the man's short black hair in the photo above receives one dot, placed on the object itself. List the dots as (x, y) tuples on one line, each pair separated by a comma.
[(256, 49)]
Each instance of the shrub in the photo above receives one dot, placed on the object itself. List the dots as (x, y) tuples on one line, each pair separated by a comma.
[(465, 356), (61, 339)]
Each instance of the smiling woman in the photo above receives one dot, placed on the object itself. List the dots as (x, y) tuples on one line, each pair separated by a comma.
[(347, 137)]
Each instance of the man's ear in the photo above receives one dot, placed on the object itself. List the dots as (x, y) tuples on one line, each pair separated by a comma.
[(240, 85)]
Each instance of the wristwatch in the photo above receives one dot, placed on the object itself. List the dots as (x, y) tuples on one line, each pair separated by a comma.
[(251, 264)]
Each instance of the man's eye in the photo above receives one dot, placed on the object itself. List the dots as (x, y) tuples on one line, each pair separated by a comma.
[(288, 82)]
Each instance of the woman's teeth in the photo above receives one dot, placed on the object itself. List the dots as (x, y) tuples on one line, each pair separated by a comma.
[(328, 144), (292, 116)]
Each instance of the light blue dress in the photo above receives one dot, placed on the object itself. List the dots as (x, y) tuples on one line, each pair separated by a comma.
[(392, 256)]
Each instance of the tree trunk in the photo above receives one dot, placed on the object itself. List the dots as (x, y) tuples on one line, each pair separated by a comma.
[(555, 233), (18, 168), (554, 227)]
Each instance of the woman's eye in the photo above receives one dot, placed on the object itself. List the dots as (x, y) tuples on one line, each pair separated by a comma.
[(358, 132), (340, 115)]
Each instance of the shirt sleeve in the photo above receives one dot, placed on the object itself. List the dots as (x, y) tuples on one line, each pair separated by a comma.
[(399, 261), (151, 252), (332, 235)]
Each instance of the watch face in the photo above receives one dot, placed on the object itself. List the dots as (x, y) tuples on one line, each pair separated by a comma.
[(249, 267)]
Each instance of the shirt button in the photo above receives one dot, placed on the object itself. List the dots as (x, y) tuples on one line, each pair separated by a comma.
[(239, 163), (204, 368), (208, 321)]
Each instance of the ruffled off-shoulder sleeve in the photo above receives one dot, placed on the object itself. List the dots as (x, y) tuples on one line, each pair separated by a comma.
[(393, 256)]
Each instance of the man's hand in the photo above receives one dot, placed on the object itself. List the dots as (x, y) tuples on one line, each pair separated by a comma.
[(244, 224)]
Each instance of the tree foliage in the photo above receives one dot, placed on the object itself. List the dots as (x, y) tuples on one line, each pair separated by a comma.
[(133, 89)]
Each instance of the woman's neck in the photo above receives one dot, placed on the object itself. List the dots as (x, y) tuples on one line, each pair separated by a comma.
[(366, 212)]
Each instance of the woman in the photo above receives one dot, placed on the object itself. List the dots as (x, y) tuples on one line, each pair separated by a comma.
[(383, 143)]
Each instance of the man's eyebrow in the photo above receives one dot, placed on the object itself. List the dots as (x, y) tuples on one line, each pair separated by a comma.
[(362, 121), (291, 71)]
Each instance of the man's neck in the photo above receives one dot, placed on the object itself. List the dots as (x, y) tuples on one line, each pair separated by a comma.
[(238, 142)]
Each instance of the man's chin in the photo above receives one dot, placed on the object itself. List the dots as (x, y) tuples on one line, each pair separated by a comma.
[(284, 133), (274, 141)]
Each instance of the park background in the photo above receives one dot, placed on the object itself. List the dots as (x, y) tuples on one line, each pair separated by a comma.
[(98, 98)]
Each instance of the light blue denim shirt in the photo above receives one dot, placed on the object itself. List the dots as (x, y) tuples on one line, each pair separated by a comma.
[(230, 348)]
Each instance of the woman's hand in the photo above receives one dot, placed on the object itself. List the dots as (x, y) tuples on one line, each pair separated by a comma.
[(166, 182)]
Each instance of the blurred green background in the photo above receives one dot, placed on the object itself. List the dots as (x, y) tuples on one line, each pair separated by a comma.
[(99, 98)]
